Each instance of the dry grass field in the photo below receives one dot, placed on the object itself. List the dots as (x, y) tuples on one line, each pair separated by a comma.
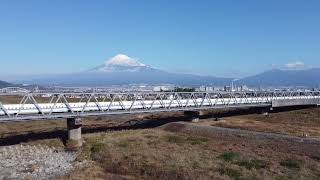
[(158, 154), (116, 151), (304, 122)]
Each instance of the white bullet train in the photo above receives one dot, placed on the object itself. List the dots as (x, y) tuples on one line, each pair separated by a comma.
[(13, 109)]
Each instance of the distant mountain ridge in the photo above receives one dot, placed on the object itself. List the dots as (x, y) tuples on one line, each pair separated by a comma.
[(151, 77), (4, 84), (278, 77), (124, 70)]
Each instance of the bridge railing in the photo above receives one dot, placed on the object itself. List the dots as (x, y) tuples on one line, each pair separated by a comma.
[(25, 106)]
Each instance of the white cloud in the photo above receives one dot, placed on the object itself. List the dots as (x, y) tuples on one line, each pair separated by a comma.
[(123, 60), (295, 65)]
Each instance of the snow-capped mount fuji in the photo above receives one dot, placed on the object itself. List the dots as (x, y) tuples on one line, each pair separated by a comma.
[(122, 63), (124, 70)]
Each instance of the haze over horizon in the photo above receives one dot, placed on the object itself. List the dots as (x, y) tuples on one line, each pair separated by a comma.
[(115, 63), (217, 38)]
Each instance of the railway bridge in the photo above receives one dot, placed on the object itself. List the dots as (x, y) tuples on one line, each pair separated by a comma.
[(74, 106)]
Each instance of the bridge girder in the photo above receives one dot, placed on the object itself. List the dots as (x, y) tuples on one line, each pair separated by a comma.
[(45, 105)]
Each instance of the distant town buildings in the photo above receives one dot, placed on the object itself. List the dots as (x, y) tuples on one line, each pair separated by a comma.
[(13, 90), (149, 88), (163, 88)]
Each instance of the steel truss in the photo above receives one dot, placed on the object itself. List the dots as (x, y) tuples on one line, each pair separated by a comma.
[(32, 106)]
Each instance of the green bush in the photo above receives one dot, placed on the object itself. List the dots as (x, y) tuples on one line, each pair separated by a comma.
[(229, 156), (97, 148), (174, 139), (197, 140), (257, 164), (177, 89), (123, 144), (72, 142), (291, 163), (233, 173)]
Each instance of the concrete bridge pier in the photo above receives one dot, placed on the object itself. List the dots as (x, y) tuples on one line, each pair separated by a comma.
[(193, 116), (74, 132)]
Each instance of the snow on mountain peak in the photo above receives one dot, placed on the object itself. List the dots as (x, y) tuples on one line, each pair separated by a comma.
[(122, 63), (123, 60)]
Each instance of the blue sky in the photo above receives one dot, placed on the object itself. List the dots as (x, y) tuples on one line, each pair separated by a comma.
[(210, 37)]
